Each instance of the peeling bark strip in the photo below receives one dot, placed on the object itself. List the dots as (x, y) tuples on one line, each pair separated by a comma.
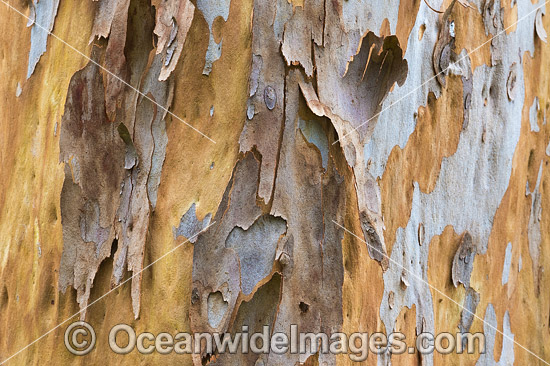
[(112, 168), (93, 154), (237, 256), (44, 13), (173, 21)]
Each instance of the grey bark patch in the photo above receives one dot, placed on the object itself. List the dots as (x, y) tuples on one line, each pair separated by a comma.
[(467, 315), (160, 139), (314, 134), (490, 327), (250, 111), (217, 307), (370, 74), (215, 267), (45, 13), (90, 227), (260, 311), (254, 79), (211, 9), (533, 115), (270, 97), (256, 248), (463, 262), (507, 264), (162, 93), (189, 224)]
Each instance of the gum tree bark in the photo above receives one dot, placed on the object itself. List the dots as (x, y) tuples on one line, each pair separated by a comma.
[(342, 166)]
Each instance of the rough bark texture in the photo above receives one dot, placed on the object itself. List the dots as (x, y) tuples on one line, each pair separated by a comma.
[(415, 130)]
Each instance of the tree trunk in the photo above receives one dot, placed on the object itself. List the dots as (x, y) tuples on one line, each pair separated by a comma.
[(339, 166)]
